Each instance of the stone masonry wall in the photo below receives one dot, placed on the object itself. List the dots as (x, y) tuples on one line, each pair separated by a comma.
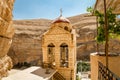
[(6, 34)]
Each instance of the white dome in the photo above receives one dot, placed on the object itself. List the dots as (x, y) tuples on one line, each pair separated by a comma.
[(61, 19)]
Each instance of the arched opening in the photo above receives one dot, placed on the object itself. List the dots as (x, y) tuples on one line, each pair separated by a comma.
[(64, 55), (66, 28), (51, 53)]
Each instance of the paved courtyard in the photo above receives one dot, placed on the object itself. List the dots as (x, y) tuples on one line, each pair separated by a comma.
[(32, 73)]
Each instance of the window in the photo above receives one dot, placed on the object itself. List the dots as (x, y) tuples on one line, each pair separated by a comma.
[(51, 58), (64, 55), (66, 28)]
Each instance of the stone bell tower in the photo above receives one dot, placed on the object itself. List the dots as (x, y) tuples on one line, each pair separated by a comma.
[(59, 47)]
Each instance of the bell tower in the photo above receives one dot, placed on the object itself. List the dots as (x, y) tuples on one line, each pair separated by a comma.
[(59, 47)]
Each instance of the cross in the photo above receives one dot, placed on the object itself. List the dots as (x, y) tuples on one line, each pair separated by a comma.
[(61, 12)]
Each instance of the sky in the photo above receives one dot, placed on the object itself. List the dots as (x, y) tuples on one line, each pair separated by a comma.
[(49, 9)]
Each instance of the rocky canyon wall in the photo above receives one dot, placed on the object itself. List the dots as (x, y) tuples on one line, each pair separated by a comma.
[(6, 34), (26, 46)]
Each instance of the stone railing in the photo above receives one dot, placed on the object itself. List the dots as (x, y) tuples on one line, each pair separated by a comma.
[(105, 74)]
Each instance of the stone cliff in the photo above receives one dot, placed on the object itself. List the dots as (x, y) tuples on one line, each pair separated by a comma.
[(6, 34), (26, 46)]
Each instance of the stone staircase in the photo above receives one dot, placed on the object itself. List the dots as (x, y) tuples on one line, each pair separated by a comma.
[(58, 76)]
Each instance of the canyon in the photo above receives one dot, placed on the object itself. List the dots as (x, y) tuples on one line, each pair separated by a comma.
[(26, 46)]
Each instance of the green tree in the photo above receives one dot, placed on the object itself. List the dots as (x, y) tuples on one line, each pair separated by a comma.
[(83, 66), (113, 25), (89, 9), (77, 78)]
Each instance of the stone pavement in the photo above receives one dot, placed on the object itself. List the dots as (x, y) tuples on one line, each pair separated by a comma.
[(32, 73)]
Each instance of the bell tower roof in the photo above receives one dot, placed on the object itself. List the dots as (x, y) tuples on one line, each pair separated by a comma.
[(61, 19)]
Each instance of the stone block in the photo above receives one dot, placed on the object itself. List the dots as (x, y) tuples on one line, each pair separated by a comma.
[(7, 29), (5, 65), (6, 34), (4, 46)]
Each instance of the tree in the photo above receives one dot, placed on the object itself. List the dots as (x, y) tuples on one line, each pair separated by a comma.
[(90, 9), (113, 26)]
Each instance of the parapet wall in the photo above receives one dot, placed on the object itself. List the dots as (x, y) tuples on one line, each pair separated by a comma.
[(6, 34), (114, 62)]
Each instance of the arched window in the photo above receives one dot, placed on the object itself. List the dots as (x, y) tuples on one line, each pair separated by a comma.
[(66, 28), (51, 53), (64, 55)]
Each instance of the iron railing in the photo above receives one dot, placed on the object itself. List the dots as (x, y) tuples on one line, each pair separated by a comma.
[(105, 74), (58, 76)]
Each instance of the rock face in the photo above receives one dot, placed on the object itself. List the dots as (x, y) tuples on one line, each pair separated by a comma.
[(85, 26), (6, 34), (26, 46), (114, 4)]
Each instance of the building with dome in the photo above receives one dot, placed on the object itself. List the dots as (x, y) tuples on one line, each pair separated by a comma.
[(59, 48)]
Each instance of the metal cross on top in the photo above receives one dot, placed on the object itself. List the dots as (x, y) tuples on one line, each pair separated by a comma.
[(61, 12)]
